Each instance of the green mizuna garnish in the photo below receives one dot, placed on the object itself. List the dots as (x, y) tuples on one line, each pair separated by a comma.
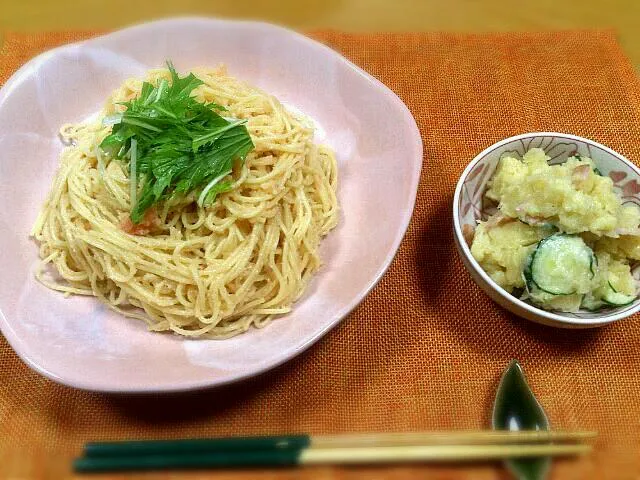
[(174, 144)]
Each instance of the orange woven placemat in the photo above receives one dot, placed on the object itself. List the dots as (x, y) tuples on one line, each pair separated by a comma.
[(426, 348)]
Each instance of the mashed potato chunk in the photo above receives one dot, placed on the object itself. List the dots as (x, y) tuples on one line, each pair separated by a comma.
[(571, 196), (625, 246), (501, 245)]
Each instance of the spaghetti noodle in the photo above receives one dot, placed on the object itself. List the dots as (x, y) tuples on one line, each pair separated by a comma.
[(212, 271)]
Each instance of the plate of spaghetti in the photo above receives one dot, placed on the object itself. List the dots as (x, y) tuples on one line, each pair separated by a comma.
[(190, 202)]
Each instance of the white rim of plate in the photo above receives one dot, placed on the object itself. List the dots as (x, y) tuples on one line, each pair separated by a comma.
[(592, 322)]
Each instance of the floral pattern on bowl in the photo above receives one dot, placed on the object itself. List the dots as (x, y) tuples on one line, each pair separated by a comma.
[(471, 206)]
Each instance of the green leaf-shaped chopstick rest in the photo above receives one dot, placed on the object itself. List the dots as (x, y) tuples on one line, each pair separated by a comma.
[(516, 408)]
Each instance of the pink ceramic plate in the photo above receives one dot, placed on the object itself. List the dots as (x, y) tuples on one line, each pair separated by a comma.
[(76, 341)]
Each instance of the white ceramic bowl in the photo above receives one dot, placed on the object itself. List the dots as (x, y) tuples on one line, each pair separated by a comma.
[(468, 208), (78, 342)]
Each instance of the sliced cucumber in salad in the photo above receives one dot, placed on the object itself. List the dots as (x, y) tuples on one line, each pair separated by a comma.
[(560, 265), (562, 273), (615, 298), (606, 296)]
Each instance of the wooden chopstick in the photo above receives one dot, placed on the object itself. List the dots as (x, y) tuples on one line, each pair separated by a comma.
[(470, 437), (324, 456), (457, 446), (435, 453), (488, 437)]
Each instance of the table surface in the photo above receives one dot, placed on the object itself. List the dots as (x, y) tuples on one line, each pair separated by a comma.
[(357, 16), (349, 15)]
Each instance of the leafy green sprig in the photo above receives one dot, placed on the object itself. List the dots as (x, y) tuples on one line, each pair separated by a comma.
[(174, 144)]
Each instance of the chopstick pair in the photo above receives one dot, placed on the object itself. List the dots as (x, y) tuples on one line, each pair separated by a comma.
[(290, 450)]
